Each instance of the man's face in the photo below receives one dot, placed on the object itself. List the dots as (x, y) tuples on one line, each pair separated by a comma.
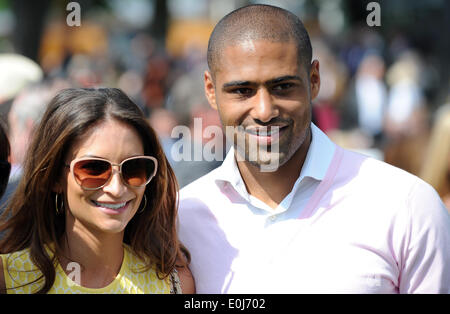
[(263, 91)]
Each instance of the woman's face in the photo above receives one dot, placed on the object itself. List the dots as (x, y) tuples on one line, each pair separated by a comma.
[(110, 208)]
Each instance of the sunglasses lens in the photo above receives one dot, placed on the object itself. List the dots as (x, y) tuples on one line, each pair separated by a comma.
[(92, 174), (138, 171)]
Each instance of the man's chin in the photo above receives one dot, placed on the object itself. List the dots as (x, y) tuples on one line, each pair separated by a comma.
[(266, 161)]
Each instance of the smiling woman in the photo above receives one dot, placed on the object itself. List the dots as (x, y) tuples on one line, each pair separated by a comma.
[(98, 193)]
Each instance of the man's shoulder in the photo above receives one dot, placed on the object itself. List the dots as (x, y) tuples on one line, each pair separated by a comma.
[(375, 170), (376, 177), (386, 194)]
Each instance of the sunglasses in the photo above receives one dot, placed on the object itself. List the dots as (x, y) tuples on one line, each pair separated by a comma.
[(93, 173)]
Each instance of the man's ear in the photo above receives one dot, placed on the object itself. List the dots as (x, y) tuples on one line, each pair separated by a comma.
[(314, 79), (210, 90)]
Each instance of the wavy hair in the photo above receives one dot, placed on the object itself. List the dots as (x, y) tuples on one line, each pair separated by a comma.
[(31, 219)]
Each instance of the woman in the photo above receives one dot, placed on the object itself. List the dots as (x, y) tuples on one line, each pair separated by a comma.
[(95, 211)]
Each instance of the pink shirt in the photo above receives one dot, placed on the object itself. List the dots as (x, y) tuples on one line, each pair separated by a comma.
[(351, 224)]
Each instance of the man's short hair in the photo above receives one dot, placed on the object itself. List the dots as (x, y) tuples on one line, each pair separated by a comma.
[(258, 22)]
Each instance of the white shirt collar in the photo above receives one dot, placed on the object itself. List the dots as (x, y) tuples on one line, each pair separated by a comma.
[(318, 159), (319, 155)]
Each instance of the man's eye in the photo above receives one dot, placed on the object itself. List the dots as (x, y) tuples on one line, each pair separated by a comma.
[(242, 91), (283, 87)]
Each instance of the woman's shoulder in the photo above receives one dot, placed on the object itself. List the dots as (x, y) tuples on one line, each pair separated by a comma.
[(18, 260), (18, 268), (186, 280), (180, 280), (2, 277), (184, 276)]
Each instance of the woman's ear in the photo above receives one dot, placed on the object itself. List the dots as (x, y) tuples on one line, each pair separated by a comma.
[(58, 186), (57, 189)]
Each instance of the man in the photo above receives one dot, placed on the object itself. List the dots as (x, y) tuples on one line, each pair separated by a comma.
[(324, 220)]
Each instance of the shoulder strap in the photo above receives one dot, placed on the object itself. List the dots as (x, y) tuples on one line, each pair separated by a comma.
[(175, 283)]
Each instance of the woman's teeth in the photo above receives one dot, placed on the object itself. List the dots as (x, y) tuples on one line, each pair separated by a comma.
[(109, 205)]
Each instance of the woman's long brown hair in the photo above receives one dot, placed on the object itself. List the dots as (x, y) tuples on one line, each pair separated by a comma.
[(31, 220)]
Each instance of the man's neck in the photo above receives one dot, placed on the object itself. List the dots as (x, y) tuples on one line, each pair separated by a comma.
[(272, 187)]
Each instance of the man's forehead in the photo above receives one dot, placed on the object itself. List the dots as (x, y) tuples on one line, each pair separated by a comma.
[(249, 52), (259, 47), (248, 45), (248, 42), (242, 70), (239, 55)]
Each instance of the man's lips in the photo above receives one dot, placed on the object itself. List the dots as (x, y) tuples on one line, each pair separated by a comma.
[(266, 135), (265, 131)]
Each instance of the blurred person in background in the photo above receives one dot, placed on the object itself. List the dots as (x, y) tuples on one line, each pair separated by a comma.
[(406, 150), (5, 166), (334, 75), (16, 72), (63, 46), (436, 167), (164, 121), (154, 81), (187, 102), (364, 106), (406, 125), (97, 191), (25, 114), (406, 99)]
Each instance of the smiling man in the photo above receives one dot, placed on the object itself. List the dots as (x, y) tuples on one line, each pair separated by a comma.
[(266, 95), (323, 219)]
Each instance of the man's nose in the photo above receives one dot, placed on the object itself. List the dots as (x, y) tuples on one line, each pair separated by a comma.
[(263, 107)]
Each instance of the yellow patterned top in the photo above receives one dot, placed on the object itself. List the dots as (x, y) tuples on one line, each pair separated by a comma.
[(19, 269)]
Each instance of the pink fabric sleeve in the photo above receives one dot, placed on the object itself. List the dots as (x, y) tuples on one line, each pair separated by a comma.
[(426, 261)]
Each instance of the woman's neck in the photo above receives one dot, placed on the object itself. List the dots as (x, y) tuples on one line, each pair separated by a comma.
[(100, 256)]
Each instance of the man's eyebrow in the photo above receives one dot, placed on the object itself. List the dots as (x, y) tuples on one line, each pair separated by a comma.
[(283, 78), (236, 83), (269, 82)]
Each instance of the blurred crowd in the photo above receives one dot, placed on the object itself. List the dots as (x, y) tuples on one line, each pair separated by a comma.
[(374, 95)]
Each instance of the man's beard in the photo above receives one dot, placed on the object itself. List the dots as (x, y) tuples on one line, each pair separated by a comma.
[(267, 157)]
